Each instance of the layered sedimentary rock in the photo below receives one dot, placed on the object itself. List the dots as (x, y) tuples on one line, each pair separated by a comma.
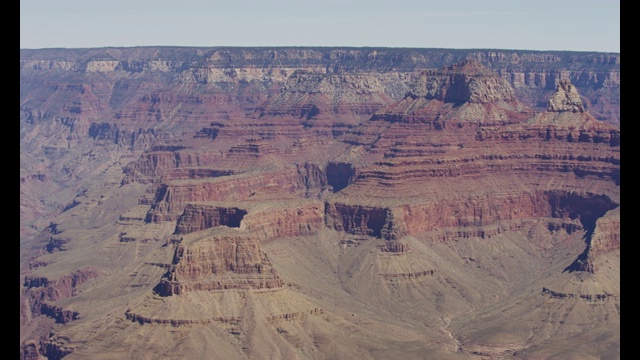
[(475, 216), (468, 81), (521, 142), (603, 237), (280, 219), (62, 288), (456, 141), (232, 258), (133, 98), (289, 219), (221, 262), (37, 296), (606, 235), (361, 220), (196, 218), (566, 98), (313, 95), (214, 189), (171, 197)]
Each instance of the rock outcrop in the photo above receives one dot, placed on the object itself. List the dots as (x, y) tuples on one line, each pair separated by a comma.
[(232, 256), (171, 198), (566, 112), (603, 237), (37, 298), (474, 216), (566, 98), (468, 81), (62, 288), (221, 262), (200, 217), (461, 94)]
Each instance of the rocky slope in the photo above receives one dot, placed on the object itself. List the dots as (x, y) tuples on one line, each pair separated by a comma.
[(319, 203)]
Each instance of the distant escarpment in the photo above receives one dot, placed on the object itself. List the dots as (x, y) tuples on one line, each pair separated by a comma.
[(234, 79)]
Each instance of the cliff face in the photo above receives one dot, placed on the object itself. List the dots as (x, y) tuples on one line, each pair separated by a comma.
[(220, 263), (262, 187), (37, 312), (468, 81)]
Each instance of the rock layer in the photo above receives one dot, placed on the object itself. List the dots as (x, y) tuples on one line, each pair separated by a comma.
[(222, 262)]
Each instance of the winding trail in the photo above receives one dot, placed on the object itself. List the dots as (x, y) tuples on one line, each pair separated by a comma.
[(447, 321)]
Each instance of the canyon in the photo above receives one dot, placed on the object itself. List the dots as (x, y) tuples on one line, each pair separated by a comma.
[(316, 203)]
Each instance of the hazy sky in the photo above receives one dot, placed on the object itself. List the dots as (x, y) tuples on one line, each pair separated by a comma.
[(581, 25)]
